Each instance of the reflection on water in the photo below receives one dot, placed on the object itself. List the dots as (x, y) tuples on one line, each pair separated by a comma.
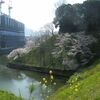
[(18, 81)]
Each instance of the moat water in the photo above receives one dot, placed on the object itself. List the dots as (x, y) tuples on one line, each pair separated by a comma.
[(17, 82)]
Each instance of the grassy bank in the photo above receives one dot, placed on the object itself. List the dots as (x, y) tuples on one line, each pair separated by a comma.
[(8, 96), (83, 85)]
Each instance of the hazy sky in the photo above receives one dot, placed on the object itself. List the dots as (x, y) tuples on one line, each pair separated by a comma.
[(34, 13)]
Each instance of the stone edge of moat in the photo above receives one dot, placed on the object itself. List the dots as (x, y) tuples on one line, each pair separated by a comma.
[(56, 72)]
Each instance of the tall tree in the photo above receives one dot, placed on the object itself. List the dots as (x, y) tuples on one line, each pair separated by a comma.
[(65, 18)]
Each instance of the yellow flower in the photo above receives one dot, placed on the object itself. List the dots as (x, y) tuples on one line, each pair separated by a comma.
[(44, 79), (72, 81), (51, 77), (47, 96), (76, 78), (54, 83), (44, 85), (76, 89), (76, 86), (40, 82), (50, 71)]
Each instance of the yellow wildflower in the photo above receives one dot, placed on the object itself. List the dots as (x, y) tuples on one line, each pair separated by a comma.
[(44, 79), (44, 85), (47, 96), (40, 82), (76, 89), (51, 77), (76, 78), (54, 83), (76, 86), (50, 71)]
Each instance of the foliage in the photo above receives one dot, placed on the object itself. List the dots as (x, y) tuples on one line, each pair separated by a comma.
[(66, 51), (47, 86), (81, 86), (92, 15), (73, 49), (4, 95), (21, 51), (8, 96), (78, 17), (48, 29), (31, 89), (64, 18), (81, 22), (42, 55)]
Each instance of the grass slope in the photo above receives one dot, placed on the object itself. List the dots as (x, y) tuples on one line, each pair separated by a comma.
[(8, 96), (81, 86)]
